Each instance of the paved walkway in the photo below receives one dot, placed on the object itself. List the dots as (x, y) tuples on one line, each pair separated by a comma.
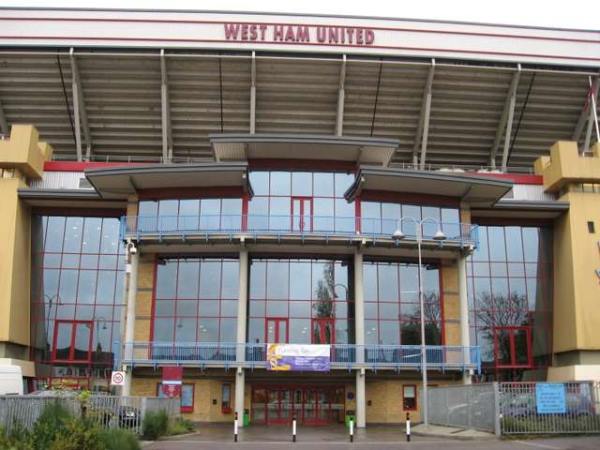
[(219, 437)]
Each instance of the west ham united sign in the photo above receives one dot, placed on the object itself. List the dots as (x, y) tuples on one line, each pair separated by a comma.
[(301, 34)]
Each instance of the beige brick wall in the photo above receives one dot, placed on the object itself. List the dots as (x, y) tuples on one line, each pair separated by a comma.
[(143, 308), (386, 400), (205, 391), (451, 303)]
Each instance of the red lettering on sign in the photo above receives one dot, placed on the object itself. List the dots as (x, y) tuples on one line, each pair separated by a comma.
[(231, 30)]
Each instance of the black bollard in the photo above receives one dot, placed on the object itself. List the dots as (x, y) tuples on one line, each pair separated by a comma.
[(351, 430), (407, 427)]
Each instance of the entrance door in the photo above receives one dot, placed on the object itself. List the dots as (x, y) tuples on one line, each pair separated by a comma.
[(323, 331), (512, 347), (276, 330), (279, 406), (302, 212), (311, 405)]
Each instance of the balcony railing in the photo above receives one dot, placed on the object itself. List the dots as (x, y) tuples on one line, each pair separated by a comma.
[(255, 225), (343, 356)]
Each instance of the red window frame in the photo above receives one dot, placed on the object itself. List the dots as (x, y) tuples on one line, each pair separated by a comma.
[(226, 405), (322, 322), (301, 226), (277, 320), (74, 325), (512, 330), (182, 408), (404, 398)]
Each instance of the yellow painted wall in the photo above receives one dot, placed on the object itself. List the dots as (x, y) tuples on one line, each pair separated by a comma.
[(25, 154), (576, 251)]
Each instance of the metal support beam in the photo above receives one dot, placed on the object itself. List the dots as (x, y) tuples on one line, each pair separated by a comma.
[(423, 127), (509, 105), (591, 93), (167, 136), (3, 122), (339, 123), (509, 123), (81, 119), (253, 94)]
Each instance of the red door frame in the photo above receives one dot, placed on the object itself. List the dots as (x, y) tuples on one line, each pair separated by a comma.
[(306, 390), (513, 356), (74, 325), (301, 214), (277, 320), (321, 321)]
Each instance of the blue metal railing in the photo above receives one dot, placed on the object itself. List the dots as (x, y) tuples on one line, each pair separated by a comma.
[(439, 357), (257, 224)]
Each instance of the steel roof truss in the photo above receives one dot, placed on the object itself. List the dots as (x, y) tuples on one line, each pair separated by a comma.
[(423, 127), (253, 94), (506, 118), (167, 134), (339, 123), (585, 111), (79, 111), (3, 122)]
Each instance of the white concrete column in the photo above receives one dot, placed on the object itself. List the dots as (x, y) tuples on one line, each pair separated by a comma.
[(464, 312), (359, 323), (361, 399), (240, 384), (132, 286), (242, 313)]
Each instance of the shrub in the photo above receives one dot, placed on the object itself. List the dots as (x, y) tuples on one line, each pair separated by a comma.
[(18, 438), (78, 434), (119, 440), (155, 425), (49, 425), (180, 426)]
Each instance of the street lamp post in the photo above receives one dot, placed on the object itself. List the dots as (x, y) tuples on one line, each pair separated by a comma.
[(398, 235)]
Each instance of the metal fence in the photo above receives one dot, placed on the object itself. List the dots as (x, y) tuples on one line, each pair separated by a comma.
[(518, 408), (107, 411), (520, 412), (470, 406)]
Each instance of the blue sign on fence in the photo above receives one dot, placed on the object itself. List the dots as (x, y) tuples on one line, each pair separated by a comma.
[(550, 398)]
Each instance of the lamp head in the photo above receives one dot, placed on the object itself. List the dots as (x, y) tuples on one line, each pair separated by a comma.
[(439, 235), (398, 235)]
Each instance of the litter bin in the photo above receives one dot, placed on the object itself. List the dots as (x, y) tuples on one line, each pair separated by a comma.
[(350, 416), (246, 417)]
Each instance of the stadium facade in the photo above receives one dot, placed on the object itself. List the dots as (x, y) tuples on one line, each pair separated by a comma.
[(197, 189)]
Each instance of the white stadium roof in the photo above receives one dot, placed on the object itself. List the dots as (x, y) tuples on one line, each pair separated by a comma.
[(153, 86)]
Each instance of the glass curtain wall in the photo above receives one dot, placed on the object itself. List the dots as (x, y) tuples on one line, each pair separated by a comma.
[(392, 312), (76, 295), (301, 201), (300, 302), (510, 299), (190, 215), (384, 218), (196, 300)]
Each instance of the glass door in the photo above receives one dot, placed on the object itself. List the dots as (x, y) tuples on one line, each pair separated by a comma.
[(302, 212), (276, 330)]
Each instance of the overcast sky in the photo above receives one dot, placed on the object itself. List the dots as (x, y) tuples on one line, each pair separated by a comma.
[(583, 14)]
